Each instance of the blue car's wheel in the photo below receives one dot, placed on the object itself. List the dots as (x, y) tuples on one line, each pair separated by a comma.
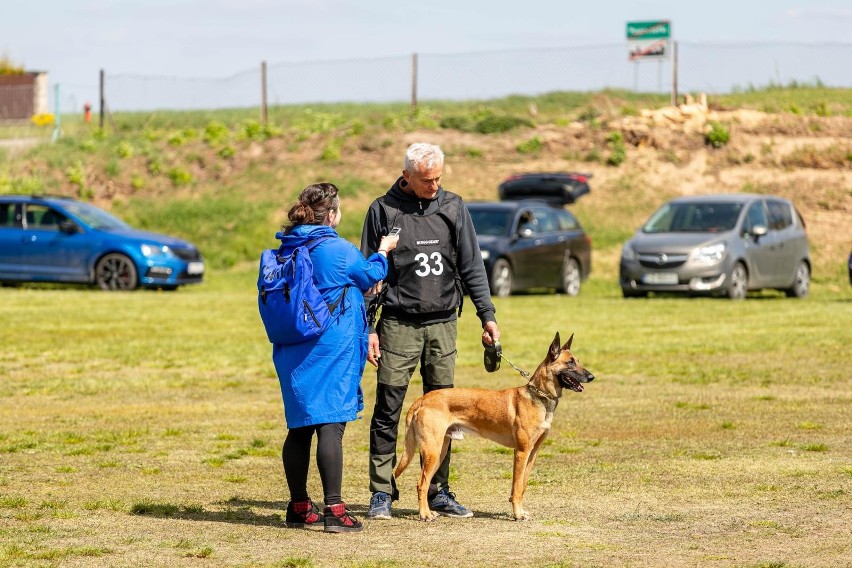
[(116, 272)]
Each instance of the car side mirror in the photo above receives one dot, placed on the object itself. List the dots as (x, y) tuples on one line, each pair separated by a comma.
[(69, 227), (525, 231), (758, 231)]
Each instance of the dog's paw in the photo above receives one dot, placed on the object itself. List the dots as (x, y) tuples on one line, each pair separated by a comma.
[(429, 517), (522, 516)]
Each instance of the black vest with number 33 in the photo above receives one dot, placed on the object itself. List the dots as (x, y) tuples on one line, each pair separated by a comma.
[(424, 269)]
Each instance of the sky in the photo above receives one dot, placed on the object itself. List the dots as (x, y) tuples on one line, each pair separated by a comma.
[(73, 39)]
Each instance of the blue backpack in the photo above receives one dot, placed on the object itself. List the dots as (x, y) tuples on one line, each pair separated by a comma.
[(291, 307)]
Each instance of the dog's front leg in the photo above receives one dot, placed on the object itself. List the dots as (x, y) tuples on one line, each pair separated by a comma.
[(518, 480)]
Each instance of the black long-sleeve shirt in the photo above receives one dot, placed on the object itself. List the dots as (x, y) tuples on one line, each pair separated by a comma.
[(470, 266)]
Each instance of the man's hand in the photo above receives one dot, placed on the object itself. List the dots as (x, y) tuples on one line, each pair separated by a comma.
[(375, 289), (490, 333), (373, 352)]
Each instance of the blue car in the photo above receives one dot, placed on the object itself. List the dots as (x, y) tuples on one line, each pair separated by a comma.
[(59, 239)]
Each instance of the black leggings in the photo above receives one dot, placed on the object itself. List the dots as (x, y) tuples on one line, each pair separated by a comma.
[(296, 455)]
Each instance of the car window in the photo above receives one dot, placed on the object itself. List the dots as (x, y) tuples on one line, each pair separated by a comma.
[(780, 214), (547, 220), (699, 217), (94, 217), (527, 222), (42, 217), (756, 216), (567, 222), (490, 222), (7, 215)]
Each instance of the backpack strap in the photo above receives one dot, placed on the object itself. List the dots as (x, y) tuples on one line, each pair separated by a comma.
[(311, 245)]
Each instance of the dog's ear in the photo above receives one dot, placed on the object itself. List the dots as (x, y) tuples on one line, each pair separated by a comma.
[(567, 346), (553, 352)]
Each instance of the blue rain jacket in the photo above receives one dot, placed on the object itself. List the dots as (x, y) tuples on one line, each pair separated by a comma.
[(321, 379)]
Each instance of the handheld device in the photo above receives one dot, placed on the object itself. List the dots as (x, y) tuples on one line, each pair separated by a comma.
[(393, 232)]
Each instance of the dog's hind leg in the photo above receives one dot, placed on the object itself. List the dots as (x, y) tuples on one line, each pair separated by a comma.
[(433, 446), (410, 443)]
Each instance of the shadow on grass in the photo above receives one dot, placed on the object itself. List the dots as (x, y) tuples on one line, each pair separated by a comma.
[(242, 511)]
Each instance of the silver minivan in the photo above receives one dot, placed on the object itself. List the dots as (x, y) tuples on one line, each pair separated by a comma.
[(722, 245)]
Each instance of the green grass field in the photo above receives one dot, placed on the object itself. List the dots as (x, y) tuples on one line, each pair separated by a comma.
[(144, 429)]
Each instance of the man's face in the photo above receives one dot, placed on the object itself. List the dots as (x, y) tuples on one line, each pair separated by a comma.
[(424, 182)]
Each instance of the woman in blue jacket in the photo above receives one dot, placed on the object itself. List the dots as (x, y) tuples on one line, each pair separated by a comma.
[(321, 378)]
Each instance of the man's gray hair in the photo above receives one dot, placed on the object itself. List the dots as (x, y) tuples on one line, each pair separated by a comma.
[(423, 156)]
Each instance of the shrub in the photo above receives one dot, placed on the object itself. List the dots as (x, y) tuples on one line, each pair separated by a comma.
[(179, 176), (463, 123), (494, 124), (531, 146), (215, 133), (618, 152), (718, 135), (331, 152), (124, 150)]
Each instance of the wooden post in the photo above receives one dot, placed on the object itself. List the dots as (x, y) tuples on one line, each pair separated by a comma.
[(103, 101), (413, 81), (674, 73), (264, 111)]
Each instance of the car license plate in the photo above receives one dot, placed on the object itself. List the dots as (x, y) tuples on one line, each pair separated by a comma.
[(195, 268), (660, 278)]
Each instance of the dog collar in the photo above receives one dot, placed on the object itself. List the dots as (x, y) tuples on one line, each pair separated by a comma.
[(541, 393)]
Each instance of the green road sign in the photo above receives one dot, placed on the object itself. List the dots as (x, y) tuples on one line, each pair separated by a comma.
[(658, 29)]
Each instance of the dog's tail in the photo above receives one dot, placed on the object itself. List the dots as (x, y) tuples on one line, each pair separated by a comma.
[(410, 439)]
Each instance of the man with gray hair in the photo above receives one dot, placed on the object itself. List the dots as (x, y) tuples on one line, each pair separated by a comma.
[(436, 261)]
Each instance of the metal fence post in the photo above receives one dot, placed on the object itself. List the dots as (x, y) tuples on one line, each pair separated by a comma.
[(413, 81), (57, 116), (264, 111), (103, 101), (674, 73)]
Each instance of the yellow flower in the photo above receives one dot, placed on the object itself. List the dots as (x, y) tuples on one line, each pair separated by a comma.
[(43, 119)]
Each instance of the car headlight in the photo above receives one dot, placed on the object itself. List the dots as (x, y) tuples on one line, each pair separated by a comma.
[(627, 253), (485, 254), (708, 255), (153, 251)]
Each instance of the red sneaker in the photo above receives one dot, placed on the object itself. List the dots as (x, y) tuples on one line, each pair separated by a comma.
[(337, 519), (301, 513)]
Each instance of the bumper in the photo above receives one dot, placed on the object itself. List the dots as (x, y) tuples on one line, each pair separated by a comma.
[(683, 279), (171, 273)]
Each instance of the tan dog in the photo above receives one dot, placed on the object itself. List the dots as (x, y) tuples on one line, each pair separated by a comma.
[(517, 418)]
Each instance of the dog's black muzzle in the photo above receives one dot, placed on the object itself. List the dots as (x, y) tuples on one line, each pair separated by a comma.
[(572, 379)]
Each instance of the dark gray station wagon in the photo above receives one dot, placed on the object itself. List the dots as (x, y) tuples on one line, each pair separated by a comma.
[(718, 245), (531, 244)]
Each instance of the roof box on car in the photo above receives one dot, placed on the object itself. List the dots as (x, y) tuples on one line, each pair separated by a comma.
[(561, 188)]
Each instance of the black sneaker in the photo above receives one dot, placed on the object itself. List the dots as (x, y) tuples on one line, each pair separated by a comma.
[(301, 513), (337, 519), (444, 503), (492, 356)]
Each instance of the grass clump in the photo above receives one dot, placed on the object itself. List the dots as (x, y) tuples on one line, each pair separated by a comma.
[(718, 135)]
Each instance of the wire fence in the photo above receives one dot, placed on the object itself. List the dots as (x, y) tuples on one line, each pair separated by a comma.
[(713, 68)]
